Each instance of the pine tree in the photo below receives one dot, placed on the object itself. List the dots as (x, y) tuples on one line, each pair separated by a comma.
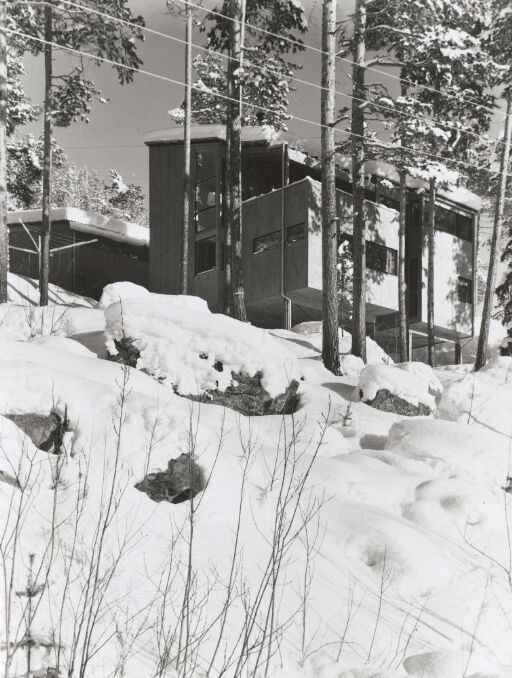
[(330, 340), (279, 19), (440, 49), (358, 181), (501, 47), (4, 229), (68, 96)]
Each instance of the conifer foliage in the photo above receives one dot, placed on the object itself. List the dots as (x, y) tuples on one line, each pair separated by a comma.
[(57, 24)]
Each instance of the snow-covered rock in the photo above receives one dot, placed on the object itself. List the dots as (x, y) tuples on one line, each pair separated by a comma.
[(412, 386), (196, 351)]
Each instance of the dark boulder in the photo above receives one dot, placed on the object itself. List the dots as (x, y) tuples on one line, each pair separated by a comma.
[(127, 352), (388, 402), (45, 431), (247, 396), (182, 480)]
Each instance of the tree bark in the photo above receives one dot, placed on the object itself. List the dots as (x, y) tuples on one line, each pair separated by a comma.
[(403, 353), (234, 160), (44, 255), (483, 338), (330, 340), (185, 234), (358, 188), (431, 234), (4, 228)]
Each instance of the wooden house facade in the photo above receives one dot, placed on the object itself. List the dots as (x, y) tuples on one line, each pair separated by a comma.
[(87, 251), (282, 234)]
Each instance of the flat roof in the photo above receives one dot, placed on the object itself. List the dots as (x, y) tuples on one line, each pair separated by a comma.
[(306, 152), (88, 222), (263, 134)]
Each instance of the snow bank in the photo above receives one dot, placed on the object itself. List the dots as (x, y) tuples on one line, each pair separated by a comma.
[(482, 398), (446, 444), (313, 331), (122, 291), (22, 290), (424, 373), (412, 385), (58, 343), (194, 351)]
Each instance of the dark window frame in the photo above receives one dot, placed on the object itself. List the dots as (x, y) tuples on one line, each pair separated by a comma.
[(465, 289), (275, 243), (296, 232), (200, 243), (454, 222), (378, 250)]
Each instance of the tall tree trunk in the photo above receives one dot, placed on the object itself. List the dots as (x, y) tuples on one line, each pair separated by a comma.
[(44, 255), (234, 160), (185, 233), (481, 354), (330, 341), (4, 229), (403, 353), (358, 158), (431, 237)]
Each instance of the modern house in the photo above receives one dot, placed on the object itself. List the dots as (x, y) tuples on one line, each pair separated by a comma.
[(282, 235), (87, 250)]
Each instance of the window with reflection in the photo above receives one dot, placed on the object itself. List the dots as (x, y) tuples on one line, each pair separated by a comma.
[(206, 194), (378, 257)]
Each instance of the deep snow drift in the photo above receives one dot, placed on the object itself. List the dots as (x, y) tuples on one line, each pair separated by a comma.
[(342, 542)]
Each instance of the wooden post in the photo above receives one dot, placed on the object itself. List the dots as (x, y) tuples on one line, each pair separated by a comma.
[(431, 238), (330, 340), (403, 354), (458, 353), (185, 233), (358, 187), (44, 271)]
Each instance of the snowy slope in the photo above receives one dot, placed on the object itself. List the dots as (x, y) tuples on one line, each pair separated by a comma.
[(394, 530)]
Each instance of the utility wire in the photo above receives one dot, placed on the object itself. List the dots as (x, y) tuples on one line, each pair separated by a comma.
[(383, 107), (303, 45), (173, 81)]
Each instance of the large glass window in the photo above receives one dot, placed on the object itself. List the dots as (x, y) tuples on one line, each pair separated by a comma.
[(459, 225), (266, 242), (465, 289), (296, 232), (378, 257), (205, 254), (206, 194)]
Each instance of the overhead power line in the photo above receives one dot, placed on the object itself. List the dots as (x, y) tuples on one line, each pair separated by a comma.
[(265, 69), (174, 81), (303, 45)]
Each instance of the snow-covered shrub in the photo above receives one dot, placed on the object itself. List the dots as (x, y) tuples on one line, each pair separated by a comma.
[(193, 351)]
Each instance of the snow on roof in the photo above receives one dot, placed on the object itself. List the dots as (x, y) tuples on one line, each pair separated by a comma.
[(263, 134), (89, 222), (306, 152), (460, 195)]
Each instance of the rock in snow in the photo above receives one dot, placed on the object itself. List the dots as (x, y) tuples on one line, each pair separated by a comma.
[(182, 480), (403, 389)]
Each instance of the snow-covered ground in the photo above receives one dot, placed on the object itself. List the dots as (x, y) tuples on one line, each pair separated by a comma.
[(340, 542)]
